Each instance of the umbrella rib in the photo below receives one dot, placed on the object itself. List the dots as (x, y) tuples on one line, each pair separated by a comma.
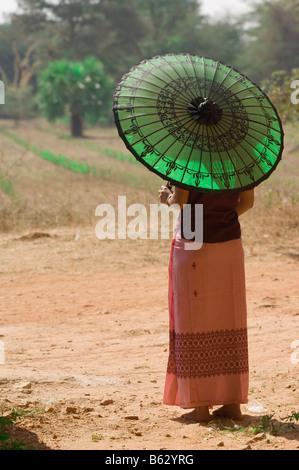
[(214, 77), (128, 118), (131, 87), (191, 151), (149, 73), (123, 107), (217, 135), (250, 97), (220, 84), (236, 93), (257, 122), (242, 161), (157, 130), (228, 113), (193, 95), (153, 91), (194, 140), (259, 143), (165, 150), (166, 83), (252, 158), (188, 90), (137, 107), (235, 149), (183, 146), (181, 109), (156, 122), (146, 89), (204, 77), (226, 89), (143, 80), (260, 124), (184, 102), (254, 161), (253, 114), (263, 124), (250, 105), (195, 73), (193, 66), (159, 78), (211, 160), (250, 135)]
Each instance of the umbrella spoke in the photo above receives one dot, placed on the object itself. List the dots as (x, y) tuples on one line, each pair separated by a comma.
[(179, 153), (204, 76), (213, 80), (255, 122), (245, 165), (229, 157), (128, 118), (212, 97), (155, 131), (189, 91), (184, 102), (192, 150), (233, 94)]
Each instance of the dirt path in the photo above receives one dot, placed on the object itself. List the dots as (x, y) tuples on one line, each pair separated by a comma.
[(85, 329)]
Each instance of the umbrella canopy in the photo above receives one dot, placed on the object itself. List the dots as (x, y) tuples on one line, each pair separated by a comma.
[(198, 123)]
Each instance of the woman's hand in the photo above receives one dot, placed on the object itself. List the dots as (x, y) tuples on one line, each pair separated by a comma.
[(246, 202), (178, 196), (164, 194)]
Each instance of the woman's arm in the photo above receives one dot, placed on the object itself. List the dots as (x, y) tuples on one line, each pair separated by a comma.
[(246, 202), (178, 196)]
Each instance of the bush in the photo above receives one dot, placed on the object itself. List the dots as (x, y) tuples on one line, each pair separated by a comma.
[(278, 88), (81, 91)]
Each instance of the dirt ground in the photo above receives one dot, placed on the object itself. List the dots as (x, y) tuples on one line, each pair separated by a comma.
[(84, 328)]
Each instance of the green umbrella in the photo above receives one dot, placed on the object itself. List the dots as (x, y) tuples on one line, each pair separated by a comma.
[(198, 123)]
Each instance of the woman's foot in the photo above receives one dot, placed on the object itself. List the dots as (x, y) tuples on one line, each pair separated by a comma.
[(200, 414), (229, 411)]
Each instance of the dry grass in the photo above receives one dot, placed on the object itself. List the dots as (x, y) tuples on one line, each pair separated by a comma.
[(36, 194)]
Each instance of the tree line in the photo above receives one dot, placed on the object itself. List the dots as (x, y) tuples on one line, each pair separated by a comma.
[(120, 34)]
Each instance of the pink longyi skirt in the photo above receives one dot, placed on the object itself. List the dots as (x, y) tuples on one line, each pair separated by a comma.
[(208, 350)]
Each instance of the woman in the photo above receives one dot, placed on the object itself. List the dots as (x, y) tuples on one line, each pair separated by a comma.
[(208, 353)]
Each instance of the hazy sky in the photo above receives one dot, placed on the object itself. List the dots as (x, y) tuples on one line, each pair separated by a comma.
[(209, 7)]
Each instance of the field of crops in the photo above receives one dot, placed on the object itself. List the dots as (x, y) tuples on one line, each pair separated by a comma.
[(49, 179)]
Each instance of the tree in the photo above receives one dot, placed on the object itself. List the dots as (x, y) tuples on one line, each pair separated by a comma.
[(222, 39), (71, 29), (77, 90), (279, 89), (172, 26), (120, 33), (17, 69), (273, 39), (126, 31)]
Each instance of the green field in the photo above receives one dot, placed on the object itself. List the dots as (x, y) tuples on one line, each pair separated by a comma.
[(48, 179)]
